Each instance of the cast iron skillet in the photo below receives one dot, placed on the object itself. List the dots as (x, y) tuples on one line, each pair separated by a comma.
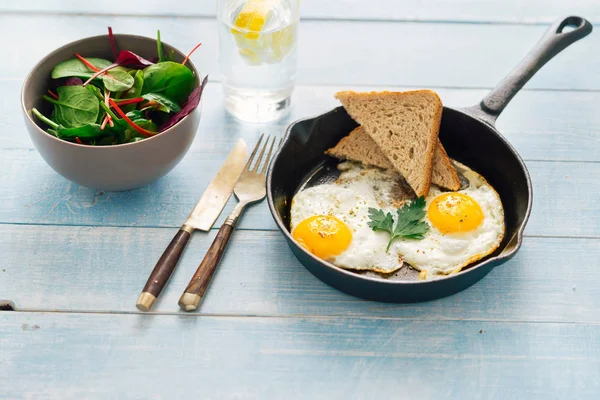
[(469, 137)]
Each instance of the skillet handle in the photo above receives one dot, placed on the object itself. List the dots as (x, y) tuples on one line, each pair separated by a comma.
[(555, 40)]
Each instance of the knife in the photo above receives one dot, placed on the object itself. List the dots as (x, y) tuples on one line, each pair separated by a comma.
[(202, 217)]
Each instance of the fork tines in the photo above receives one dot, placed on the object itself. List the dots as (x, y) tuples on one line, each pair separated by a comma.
[(256, 166)]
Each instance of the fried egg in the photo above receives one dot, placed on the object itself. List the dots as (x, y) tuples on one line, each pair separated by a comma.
[(465, 226), (331, 221)]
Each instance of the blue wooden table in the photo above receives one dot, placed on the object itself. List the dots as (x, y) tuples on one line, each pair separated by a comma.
[(73, 259)]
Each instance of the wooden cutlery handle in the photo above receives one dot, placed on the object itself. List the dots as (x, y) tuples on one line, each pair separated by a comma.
[(163, 270), (192, 296)]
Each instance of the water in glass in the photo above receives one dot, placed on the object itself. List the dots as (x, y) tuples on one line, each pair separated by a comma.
[(257, 56)]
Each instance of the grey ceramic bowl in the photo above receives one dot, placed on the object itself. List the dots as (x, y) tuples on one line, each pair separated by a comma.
[(113, 168)]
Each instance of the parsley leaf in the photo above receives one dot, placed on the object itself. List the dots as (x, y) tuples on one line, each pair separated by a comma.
[(381, 221), (409, 224)]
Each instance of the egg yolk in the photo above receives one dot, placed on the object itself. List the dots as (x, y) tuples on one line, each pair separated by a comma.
[(324, 236), (455, 212)]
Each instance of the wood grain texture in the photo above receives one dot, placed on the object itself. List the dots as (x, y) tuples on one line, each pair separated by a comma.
[(495, 11), (103, 269), (62, 356), (542, 125), (201, 279), (563, 191), (166, 264), (415, 54), (268, 328)]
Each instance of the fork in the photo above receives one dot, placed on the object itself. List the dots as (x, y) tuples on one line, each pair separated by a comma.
[(250, 188)]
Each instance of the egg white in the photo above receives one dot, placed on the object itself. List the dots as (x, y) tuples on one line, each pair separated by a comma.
[(442, 254), (349, 200), (358, 188)]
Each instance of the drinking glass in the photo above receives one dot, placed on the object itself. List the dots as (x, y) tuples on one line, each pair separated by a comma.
[(257, 56)]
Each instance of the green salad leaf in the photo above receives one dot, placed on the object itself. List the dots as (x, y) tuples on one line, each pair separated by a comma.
[(74, 67), (100, 102), (134, 91), (117, 79), (165, 104), (173, 80), (135, 114), (75, 106)]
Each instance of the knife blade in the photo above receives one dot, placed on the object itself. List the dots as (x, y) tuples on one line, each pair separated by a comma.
[(202, 217), (210, 205)]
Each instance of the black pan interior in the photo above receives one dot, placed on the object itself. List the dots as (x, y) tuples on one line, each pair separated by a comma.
[(302, 163)]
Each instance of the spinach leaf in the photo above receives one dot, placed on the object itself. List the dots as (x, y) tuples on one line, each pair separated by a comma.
[(117, 79), (146, 124), (134, 91), (135, 114), (90, 131), (170, 79), (190, 105), (165, 104), (74, 67), (96, 91), (76, 106), (130, 134)]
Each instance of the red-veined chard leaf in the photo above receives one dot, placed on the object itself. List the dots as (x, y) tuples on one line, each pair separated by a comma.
[(72, 81), (189, 106), (130, 59), (113, 42)]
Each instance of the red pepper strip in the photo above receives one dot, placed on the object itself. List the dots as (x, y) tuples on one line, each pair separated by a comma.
[(100, 72), (141, 130), (78, 140), (188, 56), (123, 102), (87, 63), (51, 93)]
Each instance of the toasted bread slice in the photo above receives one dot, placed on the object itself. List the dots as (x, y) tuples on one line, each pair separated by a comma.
[(358, 146), (443, 174), (404, 125)]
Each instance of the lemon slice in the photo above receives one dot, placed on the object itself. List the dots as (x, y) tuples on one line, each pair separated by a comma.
[(251, 19), (254, 45)]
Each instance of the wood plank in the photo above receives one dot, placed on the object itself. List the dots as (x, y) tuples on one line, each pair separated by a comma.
[(58, 356), (104, 269), (440, 55), (495, 11), (542, 125), (34, 194)]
